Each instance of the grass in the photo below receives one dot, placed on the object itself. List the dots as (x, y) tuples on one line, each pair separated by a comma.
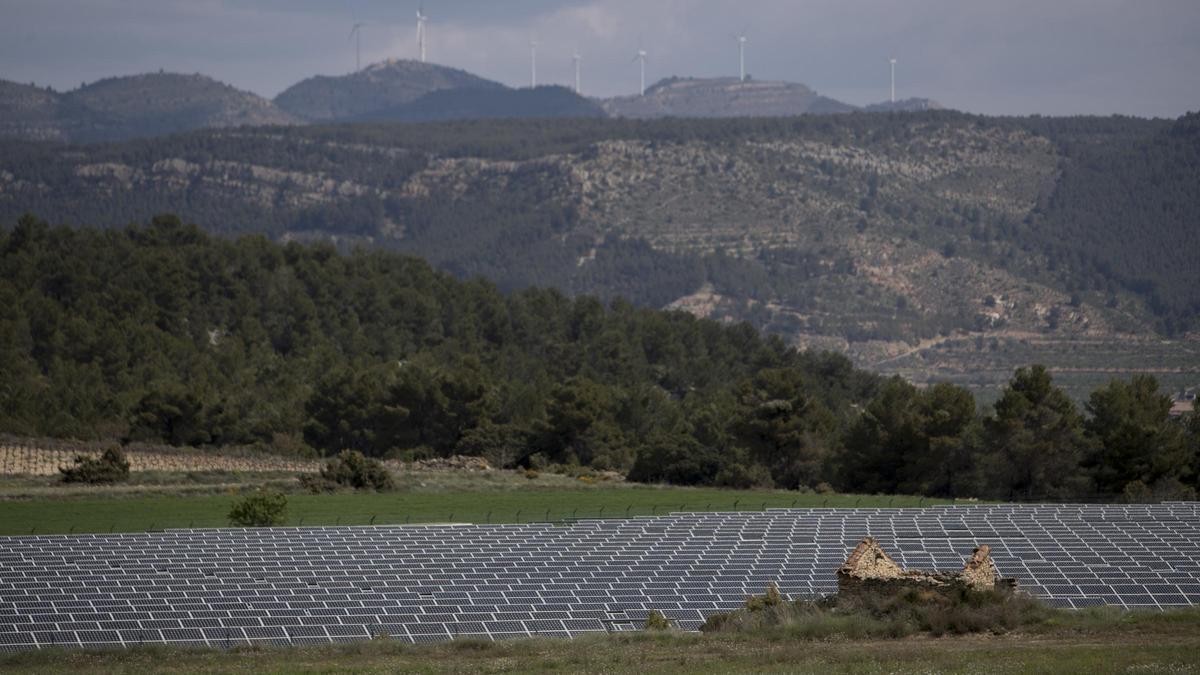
[(423, 497), (1094, 642)]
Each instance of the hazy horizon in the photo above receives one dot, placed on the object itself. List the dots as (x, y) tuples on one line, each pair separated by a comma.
[(1014, 57)]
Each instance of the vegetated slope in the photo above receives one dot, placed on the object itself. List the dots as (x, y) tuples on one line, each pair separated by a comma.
[(1127, 213), (478, 104), (880, 235), (905, 105), (30, 112), (129, 107), (723, 97), (378, 87), (161, 332)]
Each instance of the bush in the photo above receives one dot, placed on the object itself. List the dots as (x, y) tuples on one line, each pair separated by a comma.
[(261, 509), (500, 444), (772, 598), (350, 469), (744, 477), (963, 611), (656, 621), (110, 467), (898, 614)]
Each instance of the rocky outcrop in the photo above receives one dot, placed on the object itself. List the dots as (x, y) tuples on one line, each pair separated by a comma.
[(869, 571)]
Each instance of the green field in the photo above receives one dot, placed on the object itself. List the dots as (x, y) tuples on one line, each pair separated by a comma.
[(1099, 642), (499, 497)]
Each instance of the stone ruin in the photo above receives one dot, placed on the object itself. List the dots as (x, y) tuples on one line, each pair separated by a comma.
[(869, 571)]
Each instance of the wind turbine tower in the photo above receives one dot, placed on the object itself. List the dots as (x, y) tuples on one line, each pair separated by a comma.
[(577, 60), (893, 62), (533, 64), (741, 40), (421, 19), (356, 34), (641, 59)]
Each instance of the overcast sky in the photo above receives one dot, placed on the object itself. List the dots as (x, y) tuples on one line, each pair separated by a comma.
[(1139, 57)]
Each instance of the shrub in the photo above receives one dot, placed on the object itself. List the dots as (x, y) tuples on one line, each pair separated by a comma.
[(531, 474), (905, 612), (500, 444), (772, 598), (350, 469), (110, 467), (261, 509), (744, 477), (291, 444), (963, 611), (656, 621)]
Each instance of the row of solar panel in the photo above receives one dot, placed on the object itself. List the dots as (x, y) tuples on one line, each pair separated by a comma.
[(456, 572)]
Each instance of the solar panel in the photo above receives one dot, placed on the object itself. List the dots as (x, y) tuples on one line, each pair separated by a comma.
[(428, 583)]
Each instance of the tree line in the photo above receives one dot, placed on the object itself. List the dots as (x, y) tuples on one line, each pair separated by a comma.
[(160, 332)]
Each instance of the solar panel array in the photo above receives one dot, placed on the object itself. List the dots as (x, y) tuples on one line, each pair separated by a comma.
[(226, 587)]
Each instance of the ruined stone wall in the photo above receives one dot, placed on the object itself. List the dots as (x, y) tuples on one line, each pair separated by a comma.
[(870, 573)]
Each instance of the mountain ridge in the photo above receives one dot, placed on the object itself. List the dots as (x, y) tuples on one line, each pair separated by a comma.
[(132, 106), (921, 242), (155, 104), (377, 87)]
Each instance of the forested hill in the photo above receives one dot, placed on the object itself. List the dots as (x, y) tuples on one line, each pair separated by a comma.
[(1128, 211), (864, 232), (161, 332), (136, 106), (480, 103), (377, 87)]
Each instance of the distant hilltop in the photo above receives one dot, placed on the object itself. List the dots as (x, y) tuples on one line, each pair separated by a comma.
[(723, 97), (395, 90), (118, 108), (377, 87)]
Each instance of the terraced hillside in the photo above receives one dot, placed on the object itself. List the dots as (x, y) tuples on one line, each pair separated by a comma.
[(913, 242)]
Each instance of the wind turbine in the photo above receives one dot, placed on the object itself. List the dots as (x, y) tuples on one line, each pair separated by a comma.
[(641, 58), (577, 60), (533, 64), (356, 35), (893, 62), (741, 40), (421, 19)]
